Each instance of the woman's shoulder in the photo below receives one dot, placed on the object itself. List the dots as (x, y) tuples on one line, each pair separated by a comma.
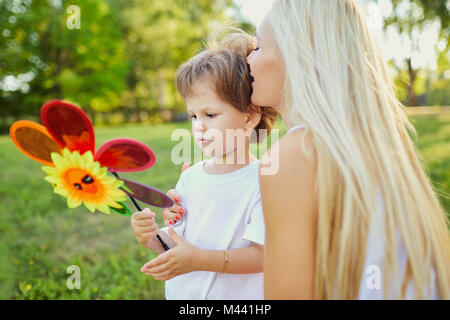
[(287, 158), (287, 171)]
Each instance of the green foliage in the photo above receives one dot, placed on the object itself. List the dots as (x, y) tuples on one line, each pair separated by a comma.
[(122, 58), (434, 145), (66, 63), (420, 13), (40, 237), (409, 18), (159, 38), (439, 92)]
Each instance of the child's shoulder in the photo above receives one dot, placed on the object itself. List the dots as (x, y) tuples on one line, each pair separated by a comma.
[(191, 171)]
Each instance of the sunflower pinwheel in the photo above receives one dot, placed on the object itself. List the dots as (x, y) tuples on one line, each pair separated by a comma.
[(65, 144)]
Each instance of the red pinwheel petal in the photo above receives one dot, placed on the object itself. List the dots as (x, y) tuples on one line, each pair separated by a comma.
[(125, 155), (68, 125)]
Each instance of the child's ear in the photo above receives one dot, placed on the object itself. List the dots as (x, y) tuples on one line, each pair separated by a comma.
[(253, 117)]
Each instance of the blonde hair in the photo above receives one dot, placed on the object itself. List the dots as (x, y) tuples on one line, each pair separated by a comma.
[(338, 85), (224, 64)]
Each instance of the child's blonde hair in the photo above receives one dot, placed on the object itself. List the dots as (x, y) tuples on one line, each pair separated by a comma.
[(223, 63)]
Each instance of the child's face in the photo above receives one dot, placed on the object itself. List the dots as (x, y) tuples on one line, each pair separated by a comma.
[(213, 119)]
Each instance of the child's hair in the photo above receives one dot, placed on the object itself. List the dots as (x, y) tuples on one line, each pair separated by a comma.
[(223, 63)]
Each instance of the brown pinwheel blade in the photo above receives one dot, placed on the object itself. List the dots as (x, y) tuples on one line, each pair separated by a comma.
[(125, 155), (68, 125), (147, 194), (34, 141)]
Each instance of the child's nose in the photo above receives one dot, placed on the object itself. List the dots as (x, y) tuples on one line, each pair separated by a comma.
[(200, 126)]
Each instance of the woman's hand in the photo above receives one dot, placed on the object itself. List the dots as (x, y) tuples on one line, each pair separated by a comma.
[(179, 260), (176, 212)]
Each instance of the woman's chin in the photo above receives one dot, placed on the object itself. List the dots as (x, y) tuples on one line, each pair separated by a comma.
[(259, 102), (255, 100)]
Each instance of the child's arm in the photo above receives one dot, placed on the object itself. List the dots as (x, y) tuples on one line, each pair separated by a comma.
[(185, 258), (242, 260)]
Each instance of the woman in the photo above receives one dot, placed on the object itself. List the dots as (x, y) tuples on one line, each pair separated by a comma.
[(350, 202)]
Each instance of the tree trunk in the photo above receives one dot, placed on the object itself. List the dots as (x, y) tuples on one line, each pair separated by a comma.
[(161, 90), (162, 102), (412, 98)]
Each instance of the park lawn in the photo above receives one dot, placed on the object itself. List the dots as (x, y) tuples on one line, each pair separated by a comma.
[(433, 141), (40, 237)]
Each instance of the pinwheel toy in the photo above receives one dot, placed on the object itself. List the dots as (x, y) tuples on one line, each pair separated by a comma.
[(65, 144)]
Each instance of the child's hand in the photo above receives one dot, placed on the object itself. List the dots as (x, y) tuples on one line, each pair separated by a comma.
[(144, 226), (179, 260)]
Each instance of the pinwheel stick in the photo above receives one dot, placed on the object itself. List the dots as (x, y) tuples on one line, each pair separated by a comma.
[(164, 245)]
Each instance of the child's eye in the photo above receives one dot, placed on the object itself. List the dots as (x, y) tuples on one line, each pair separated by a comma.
[(193, 116), (256, 49), (210, 115)]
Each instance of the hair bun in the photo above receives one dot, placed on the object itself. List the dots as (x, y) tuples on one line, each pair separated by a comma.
[(231, 39)]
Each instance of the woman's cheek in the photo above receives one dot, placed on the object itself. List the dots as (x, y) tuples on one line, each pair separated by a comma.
[(256, 95)]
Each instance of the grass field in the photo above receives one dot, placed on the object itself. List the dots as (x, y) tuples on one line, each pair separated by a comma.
[(40, 237)]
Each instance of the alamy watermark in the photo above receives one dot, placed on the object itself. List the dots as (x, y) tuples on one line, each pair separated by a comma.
[(219, 145), (373, 281), (74, 280), (73, 20)]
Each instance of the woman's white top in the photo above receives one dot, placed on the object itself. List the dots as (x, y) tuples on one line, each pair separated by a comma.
[(300, 126)]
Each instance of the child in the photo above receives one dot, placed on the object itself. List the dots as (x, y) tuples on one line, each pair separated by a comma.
[(217, 248)]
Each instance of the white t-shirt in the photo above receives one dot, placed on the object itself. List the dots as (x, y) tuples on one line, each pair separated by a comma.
[(223, 211)]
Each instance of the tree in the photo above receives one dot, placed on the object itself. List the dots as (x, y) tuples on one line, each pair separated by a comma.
[(159, 38), (86, 65), (409, 18), (122, 56)]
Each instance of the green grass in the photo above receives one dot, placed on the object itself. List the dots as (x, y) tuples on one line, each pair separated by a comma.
[(40, 237), (433, 142)]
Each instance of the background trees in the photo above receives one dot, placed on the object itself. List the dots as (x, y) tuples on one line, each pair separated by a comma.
[(120, 64), (122, 58), (413, 20)]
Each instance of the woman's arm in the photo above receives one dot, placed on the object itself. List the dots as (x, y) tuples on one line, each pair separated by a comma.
[(289, 206)]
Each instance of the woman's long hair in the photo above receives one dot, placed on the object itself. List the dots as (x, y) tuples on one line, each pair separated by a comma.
[(338, 85)]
